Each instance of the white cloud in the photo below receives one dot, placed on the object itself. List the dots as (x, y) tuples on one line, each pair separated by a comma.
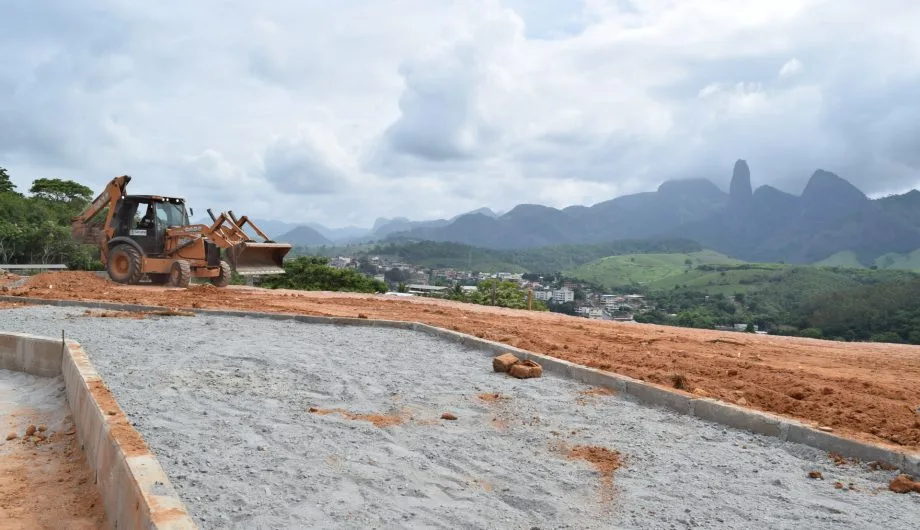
[(792, 67), (343, 112)]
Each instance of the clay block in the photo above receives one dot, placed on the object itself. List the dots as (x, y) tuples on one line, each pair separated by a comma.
[(503, 362), (525, 370)]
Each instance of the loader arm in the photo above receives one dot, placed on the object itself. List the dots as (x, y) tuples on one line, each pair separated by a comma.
[(245, 255), (83, 231)]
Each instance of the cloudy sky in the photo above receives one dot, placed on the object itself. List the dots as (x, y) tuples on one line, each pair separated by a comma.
[(340, 112)]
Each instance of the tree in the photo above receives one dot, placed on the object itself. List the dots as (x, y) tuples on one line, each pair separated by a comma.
[(6, 185), (395, 275), (58, 190)]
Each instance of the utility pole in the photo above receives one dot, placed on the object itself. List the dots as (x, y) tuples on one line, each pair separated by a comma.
[(493, 291)]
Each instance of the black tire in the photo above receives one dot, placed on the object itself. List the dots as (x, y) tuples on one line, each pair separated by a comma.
[(222, 279), (157, 278), (125, 264), (180, 274)]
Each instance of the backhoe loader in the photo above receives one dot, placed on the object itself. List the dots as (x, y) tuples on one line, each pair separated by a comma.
[(162, 245)]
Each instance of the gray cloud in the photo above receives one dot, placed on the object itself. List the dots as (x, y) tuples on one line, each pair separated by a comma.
[(301, 166), (340, 113)]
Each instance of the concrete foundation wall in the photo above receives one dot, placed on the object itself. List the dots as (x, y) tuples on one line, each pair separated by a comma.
[(135, 490), (684, 403), (33, 355)]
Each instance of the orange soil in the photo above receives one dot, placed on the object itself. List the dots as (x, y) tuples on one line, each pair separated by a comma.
[(127, 437), (862, 390), (46, 483), (605, 460), (379, 420)]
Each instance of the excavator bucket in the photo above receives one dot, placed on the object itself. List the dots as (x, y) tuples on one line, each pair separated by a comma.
[(251, 258)]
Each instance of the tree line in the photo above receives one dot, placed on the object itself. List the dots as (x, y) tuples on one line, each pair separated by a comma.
[(35, 227)]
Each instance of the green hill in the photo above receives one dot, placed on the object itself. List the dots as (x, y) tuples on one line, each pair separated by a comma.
[(646, 269), (537, 260), (892, 260), (845, 258), (909, 261)]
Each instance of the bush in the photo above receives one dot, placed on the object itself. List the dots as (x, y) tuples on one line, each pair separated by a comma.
[(313, 273)]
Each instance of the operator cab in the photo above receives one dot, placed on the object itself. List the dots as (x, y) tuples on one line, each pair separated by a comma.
[(145, 218)]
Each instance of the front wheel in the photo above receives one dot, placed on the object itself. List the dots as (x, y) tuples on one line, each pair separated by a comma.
[(125, 264), (180, 274), (223, 278)]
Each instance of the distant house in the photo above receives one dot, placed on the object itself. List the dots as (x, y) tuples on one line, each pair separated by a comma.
[(561, 296), (545, 295), (341, 262), (417, 288)]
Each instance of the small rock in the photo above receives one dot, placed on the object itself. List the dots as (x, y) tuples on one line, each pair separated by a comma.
[(525, 370), (815, 475), (448, 416), (12, 436), (42, 428), (838, 485), (260, 448), (504, 362), (743, 402), (825, 428), (30, 430), (904, 484)]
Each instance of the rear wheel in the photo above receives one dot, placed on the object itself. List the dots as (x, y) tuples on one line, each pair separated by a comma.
[(125, 264), (222, 279), (180, 274)]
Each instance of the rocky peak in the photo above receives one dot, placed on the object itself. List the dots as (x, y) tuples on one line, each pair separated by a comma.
[(740, 191)]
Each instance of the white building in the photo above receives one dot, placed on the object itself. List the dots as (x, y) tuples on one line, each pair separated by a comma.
[(561, 296), (545, 295)]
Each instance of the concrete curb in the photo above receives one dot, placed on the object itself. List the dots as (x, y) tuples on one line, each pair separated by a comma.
[(134, 488), (706, 409)]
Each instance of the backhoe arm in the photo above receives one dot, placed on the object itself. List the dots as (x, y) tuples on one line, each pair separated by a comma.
[(92, 233)]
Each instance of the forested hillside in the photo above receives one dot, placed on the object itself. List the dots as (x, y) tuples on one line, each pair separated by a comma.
[(541, 259)]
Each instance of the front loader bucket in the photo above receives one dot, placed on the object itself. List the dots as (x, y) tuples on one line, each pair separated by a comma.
[(249, 259)]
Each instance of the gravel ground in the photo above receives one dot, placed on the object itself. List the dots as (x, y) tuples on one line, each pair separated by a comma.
[(224, 403)]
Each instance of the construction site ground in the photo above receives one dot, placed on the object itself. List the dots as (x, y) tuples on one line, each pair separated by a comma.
[(282, 424), (45, 481), (865, 391)]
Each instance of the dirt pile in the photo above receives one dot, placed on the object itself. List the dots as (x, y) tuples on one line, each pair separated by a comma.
[(904, 484), (603, 459), (862, 390)]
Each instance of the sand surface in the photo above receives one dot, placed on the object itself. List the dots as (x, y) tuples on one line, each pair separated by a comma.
[(862, 390), (45, 482), (264, 424)]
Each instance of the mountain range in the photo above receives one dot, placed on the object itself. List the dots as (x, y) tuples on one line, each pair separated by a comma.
[(315, 234), (763, 224)]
